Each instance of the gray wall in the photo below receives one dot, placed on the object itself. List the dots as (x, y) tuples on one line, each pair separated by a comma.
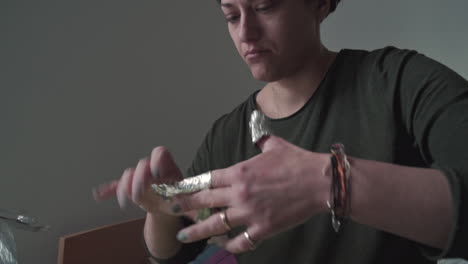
[(89, 87)]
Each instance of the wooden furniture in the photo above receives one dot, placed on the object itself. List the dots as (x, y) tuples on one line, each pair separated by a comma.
[(120, 243)]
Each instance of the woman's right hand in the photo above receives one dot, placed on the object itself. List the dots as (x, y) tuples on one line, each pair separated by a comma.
[(135, 183)]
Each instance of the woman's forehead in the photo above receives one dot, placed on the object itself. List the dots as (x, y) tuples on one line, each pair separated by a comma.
[(237, 2)]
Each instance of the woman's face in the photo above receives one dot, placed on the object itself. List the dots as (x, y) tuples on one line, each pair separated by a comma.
[(275, 38)]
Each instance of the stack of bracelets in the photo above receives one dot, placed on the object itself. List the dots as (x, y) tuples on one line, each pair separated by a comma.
[(339, 202)]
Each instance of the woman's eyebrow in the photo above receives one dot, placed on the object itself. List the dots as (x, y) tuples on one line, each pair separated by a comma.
[(227, 5)]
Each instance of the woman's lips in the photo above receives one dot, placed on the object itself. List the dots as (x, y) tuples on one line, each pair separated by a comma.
[(255, 54)]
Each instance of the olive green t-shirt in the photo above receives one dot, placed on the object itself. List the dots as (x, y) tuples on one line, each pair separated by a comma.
[(388, 105)]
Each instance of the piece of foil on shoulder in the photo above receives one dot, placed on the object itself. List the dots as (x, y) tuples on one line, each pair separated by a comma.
[(188, 185), (258, 126)]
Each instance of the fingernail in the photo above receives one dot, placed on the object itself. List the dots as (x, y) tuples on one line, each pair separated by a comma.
[(122, 200), (181, 236), (128, 170), (176, 209), (96, 195), (99, 188), (155, 174)]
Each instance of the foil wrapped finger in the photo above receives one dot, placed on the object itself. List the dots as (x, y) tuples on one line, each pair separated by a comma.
[(188, 185), (258, 129)]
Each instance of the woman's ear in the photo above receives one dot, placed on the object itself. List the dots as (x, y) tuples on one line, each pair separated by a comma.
[(323, 8)]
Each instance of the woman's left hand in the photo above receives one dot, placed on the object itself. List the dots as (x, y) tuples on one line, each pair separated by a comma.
[(276, 190)]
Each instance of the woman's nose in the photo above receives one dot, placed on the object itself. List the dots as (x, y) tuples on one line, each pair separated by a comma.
[(249, 29)]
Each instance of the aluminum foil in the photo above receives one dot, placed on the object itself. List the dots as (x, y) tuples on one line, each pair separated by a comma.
[(188, 185), (7, 244), (258, 127), (19, 220)]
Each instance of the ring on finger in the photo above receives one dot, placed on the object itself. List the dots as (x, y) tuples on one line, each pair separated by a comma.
[(224, 220), (250, 241)]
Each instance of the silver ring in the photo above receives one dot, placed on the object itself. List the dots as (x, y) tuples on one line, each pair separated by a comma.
[(224, 220), (249, 240)]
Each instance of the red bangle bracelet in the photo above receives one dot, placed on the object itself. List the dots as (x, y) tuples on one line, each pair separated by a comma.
[(339, 202)]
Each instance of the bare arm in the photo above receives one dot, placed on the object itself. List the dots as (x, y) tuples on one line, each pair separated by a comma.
[(160, 235), (414, 203), (161, 226)]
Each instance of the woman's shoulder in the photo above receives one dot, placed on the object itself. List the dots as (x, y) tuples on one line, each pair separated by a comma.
[(232, 120), (387, 51), (390, 63), (380, 58)]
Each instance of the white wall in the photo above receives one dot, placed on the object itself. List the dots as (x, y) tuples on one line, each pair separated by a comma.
[(89, 87)]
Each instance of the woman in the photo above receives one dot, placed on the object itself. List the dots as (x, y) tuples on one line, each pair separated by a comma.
[(397, 193)]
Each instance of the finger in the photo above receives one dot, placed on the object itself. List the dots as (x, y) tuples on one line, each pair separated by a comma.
[(209, 198), (212, 226), (270, 142), (141, 179), (232, 175), (124, 187), (241, 244), (105, 191), (224, 177), (220, 241), (163, 167)]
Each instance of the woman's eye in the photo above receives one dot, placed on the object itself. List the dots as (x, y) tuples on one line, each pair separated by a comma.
[(263, 8), (232, 18)]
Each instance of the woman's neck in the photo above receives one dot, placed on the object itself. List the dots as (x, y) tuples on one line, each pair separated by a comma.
[(285, 97)]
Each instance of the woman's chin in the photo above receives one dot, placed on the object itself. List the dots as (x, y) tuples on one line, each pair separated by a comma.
[(261, 74)]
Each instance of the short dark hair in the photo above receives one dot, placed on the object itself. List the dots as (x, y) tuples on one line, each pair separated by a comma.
[(333, 4)]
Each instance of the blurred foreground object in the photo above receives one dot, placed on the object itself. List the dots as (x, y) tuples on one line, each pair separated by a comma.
[(16, 220), (120, 243)]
